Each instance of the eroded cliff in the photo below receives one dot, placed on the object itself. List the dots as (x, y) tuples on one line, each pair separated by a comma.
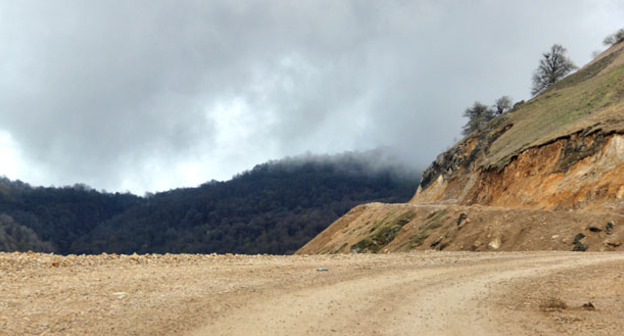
[(580, 172)]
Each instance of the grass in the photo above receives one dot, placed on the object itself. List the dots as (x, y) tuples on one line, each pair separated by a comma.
[(577, 102), (434, 221), (340, 249), (588, 73), (383, 233)]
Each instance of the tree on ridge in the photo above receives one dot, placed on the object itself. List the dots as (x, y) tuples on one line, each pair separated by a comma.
[(502, 104), (552, 67), (614, 38), (478, 115)]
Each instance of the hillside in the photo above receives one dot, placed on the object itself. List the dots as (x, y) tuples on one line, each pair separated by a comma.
[(54, 218), (274, 208), (382, 228), (534, 179), (562, 150)]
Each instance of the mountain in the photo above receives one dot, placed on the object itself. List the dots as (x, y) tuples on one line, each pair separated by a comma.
[(274, 208), (547, 175)]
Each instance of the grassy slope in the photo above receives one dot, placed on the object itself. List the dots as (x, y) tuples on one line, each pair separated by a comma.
[(591, 98)]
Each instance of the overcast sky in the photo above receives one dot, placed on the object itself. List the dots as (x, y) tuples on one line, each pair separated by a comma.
[(153, 95)]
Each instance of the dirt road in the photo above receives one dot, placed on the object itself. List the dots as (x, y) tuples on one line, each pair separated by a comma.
[(420, 293)]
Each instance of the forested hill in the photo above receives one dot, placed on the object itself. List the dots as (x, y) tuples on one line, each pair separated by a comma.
[(274, 208)]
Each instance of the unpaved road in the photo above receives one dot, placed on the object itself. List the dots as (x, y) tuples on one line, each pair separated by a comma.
[(424, 293)]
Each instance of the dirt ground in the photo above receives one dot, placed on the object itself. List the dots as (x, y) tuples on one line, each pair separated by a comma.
[(450, 227), (417, 293)]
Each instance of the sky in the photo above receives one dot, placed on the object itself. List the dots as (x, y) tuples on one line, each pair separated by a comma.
[(152, 95)]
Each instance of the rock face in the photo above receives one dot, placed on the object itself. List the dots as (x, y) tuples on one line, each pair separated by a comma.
[(559, 156), (582, 172)]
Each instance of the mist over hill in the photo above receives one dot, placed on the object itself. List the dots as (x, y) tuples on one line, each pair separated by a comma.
[(276, 207)]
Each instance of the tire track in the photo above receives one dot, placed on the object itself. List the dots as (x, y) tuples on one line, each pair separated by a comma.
[(440, 299)]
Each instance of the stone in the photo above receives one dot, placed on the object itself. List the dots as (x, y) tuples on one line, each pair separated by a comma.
[(594, 228), (578, 245), (463, 217), (609, 227), (120, 295), (436, 242), (578, 238), (494, 244)]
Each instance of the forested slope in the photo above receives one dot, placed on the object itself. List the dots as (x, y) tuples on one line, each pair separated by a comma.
[(274, 208)]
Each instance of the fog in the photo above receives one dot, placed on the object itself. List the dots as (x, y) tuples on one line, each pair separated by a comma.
[(154, 95)]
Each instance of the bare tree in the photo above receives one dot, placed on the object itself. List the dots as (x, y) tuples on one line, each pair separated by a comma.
[(553, 66), (478, 115), (502, 104), (614, 38)]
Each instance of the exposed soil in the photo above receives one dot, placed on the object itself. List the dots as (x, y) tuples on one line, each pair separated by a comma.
[(383, 228), (582, 172), (418, 293)]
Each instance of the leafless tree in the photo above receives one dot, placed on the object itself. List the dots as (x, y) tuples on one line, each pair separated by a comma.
[(614, 38), (553, 66)]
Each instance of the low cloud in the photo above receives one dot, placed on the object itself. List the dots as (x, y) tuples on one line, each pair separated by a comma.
[(152, 95)]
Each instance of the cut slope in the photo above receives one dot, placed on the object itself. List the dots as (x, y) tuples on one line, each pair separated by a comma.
[(382, 228), (564, 149), (588, 100)]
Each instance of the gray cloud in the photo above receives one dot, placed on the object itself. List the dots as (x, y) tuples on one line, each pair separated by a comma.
[(151, 95)]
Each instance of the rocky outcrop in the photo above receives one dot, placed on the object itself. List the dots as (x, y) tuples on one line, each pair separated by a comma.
[(584, 171)]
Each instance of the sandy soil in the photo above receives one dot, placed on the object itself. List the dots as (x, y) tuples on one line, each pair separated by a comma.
[(475, 228), (419, 293)]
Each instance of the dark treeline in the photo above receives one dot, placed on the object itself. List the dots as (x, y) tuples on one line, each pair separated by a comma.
[(274, 208), (58, 216)]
